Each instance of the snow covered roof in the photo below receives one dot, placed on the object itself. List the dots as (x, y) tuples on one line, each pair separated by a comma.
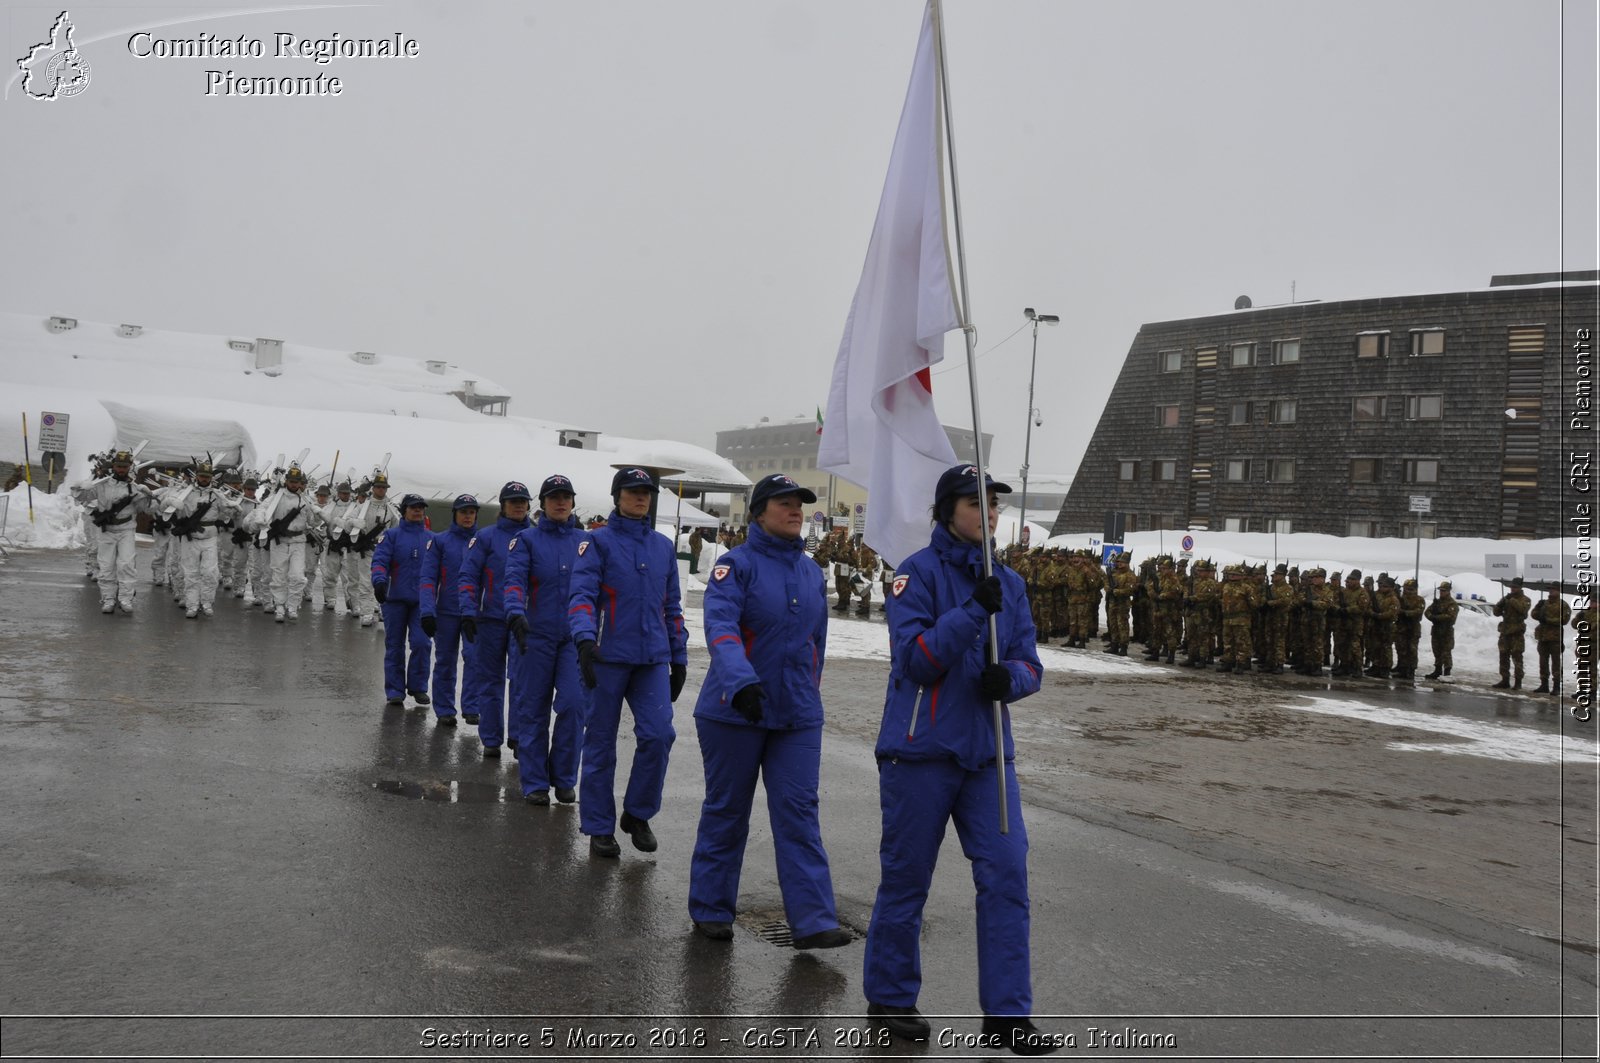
[(190, 394)]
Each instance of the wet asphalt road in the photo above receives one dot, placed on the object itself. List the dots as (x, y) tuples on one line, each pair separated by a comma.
[(217, 825)]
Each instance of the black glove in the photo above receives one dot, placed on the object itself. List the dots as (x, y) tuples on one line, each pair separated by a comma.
[(469, 628), (995, 682), (430, 626), (519, 631), (587, 656), (680, 675), (747, 702), (987, 594), (380, 591)]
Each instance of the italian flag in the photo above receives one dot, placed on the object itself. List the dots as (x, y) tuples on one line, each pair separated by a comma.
[(819, 420)]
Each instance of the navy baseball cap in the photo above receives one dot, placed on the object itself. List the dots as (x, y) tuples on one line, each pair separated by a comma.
[(413, 500), (513, 490), (464, 502), (626, 478), (554, 485), (961, 480), (769, 487)]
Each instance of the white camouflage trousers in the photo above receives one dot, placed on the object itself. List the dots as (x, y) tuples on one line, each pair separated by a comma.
[(200, 574), (118, 559), (288, 560)]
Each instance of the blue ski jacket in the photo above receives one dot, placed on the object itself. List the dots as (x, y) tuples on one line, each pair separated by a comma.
[(766, 613), (441, 565), (938, 645), (625, 595), (483, 570), (397, 559), (538, 577)]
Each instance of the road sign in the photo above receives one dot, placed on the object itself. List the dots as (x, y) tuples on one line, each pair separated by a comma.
[(1109, 551), (1188, 544), (1421, 504), (53, 431), (1500, 566), (819, 517), (1027, 534), (858, 519)]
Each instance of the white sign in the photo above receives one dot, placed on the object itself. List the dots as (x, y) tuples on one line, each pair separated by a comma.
[(1500, 566), (1421, 504), (53, 432), (858, 519), (1541, 568)]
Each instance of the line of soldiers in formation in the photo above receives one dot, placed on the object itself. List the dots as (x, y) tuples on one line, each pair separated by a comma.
[(855, 568), (1299, 619), (259, 537)]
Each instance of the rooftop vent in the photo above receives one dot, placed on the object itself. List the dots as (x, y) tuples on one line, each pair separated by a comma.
[(242, 345), (129, 331), (363, 357), (269, 356), (437, 366), (1242, 303), (62, 324)]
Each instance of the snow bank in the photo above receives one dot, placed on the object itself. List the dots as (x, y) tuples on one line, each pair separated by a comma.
[(57, 520)]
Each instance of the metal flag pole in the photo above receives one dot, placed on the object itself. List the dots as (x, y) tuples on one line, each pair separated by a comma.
[(964, 313)]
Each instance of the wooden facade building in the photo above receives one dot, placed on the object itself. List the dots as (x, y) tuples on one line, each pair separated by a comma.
[(1330, 416)]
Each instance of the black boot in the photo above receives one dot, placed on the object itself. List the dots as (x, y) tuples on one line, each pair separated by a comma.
[(1517, 684), (1020, 1036), (1170, 658), (1433, 674), (1503, 684), (904, 1023), (1542, 688)]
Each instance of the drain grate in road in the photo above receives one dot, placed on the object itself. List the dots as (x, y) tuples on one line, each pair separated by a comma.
[(452, 792), (770, 925)]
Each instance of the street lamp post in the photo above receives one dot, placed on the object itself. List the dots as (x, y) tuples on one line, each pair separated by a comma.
[(1033, 414)]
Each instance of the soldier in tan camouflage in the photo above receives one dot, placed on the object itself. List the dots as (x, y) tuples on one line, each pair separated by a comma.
[(1281, 602), (1120, 585), (1078, 584), (1513, 613), (1441, 614), (1385, 611), (1201, 602), (867, 571), (1550, 621), (1349, 635), (1408, 630), (1240, 598)]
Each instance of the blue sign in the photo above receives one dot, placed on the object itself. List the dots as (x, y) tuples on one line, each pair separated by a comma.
[(1109, 552)]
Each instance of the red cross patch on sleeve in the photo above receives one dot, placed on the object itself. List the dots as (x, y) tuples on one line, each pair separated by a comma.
[(582, 547), (721, 572), (900, 584)]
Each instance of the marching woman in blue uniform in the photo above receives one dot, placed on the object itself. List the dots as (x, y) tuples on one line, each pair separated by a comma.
[(539, 565), (396, 571), (937, 763), (760, 714), (441, 612), (483, 618), (627, 621)]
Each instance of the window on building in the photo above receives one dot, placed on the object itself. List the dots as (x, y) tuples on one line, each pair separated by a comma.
[(1233, 524), (1283, 411), (1131, 522), (1372, 345), (1286, 352), (1170, 361), (1166, 469), (1368, 408), (1422, 471), (1127, 470), (1280, 525), (811, 463), (1238, 470), (1365, 470), (1241, 355), (1425, 530), (1239, 413), (1424, 407), (1166, 416), (1365, 528), (1427, 344), (1280, 471)]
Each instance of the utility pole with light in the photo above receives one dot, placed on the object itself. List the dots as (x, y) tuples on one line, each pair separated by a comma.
[(1033, 414)]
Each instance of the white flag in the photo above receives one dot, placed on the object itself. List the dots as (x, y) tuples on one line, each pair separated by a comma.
[(881, 431)]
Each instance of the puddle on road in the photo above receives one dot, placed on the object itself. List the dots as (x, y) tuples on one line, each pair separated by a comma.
[(452, 792)]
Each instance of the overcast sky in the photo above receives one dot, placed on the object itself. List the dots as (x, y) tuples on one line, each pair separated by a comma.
[(650, 217)]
